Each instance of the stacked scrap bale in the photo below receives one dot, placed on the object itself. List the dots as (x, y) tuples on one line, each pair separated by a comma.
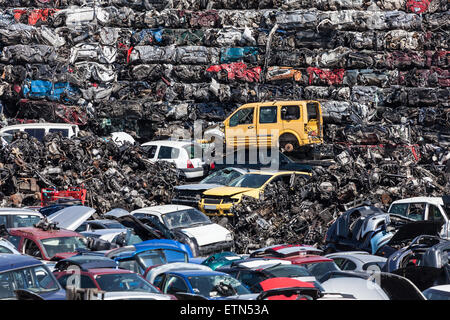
[(381, 69)]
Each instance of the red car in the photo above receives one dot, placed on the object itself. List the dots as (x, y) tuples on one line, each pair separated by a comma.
[(303, 255), (51, 244), (102, 273)]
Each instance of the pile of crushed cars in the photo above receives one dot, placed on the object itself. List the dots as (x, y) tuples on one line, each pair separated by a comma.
[(380, 70)]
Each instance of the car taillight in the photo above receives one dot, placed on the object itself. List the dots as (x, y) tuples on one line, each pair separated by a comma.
[(212, 165), (189, 164)]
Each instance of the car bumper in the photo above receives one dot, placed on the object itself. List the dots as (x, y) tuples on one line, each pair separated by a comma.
[(193, 172), (216, 209), (209, 249)]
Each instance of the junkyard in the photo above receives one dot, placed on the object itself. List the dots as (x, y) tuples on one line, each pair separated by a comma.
[(224, 150)]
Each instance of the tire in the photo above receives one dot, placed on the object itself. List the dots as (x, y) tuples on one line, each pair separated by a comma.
[(288, 143)]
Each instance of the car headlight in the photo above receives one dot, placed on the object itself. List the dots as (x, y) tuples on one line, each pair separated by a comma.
[(229, 237)]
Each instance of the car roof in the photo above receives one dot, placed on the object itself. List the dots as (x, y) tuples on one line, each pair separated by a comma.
[(37, 233), (104, 221), (163, 209), (307, 259), (362, 257), (14, 211), (169, 143), (14, 261), (433, 200)]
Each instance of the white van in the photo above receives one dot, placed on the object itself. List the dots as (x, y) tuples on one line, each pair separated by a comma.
[(38, 130)]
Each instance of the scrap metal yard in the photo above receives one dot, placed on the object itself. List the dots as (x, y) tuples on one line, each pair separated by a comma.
[(224, 150)]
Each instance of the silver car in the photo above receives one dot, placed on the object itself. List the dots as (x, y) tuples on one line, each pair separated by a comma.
[(357, 261)]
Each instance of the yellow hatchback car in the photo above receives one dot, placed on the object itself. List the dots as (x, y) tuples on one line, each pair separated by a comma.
[(218, 201)]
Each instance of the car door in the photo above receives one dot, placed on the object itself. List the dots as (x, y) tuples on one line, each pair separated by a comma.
[(241, 128), (267, 129), (313, 126), (291, 116)]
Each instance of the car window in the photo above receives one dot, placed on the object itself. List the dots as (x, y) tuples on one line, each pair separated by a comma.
[(3, 221), (131, 265), (150, 151), (175, 284), (37, 133), (417, 211), (243, 116), (251, 280), (311, 109), (290, 112), (24, 220), (15, 240), (400, 209), (348, 265), (85, 281), (64, 132), (5, 250), (158, 280), (168, 153), (339, 261), (32, 249), (82, 228), (193, 150), (434, 214), (124, 282), (268, 114), (6, 285), (250, 180)]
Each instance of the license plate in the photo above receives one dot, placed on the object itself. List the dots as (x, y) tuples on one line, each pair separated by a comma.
[(210, 207)]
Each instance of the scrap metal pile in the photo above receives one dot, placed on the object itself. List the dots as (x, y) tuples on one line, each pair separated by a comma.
[(113, 177), (154, 66)]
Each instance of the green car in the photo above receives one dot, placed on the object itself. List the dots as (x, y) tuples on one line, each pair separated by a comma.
[(221, 259)]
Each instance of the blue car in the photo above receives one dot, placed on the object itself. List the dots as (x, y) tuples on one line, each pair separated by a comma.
[(211, 285), (29, 274), (141, 256)]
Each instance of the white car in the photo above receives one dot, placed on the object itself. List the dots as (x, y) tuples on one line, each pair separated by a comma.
[(7, 247), (187, 156), (19, 217), (425, 208), (209, 237), (38, 130)]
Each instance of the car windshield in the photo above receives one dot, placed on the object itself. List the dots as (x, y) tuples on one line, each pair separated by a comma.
[(114, 225), (124, 282), (24, 220), (185, 218), (223, 177), (36, 279), (319, 269), (160, 256), (217, 286), (54, 246), (289, 271), (250, 180)]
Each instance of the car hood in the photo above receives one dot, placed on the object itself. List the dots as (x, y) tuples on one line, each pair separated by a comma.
[(198, 186), (207, 234), (72, 217), (413, 229), (226, 191)]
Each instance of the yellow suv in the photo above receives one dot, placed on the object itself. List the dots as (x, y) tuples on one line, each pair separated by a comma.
[(218, 201), (288, 124)]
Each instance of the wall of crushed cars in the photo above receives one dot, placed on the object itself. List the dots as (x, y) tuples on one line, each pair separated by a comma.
[(149, 67)]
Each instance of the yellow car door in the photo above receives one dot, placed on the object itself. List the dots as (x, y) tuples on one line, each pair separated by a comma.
[(241, 127), (268, 125)]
